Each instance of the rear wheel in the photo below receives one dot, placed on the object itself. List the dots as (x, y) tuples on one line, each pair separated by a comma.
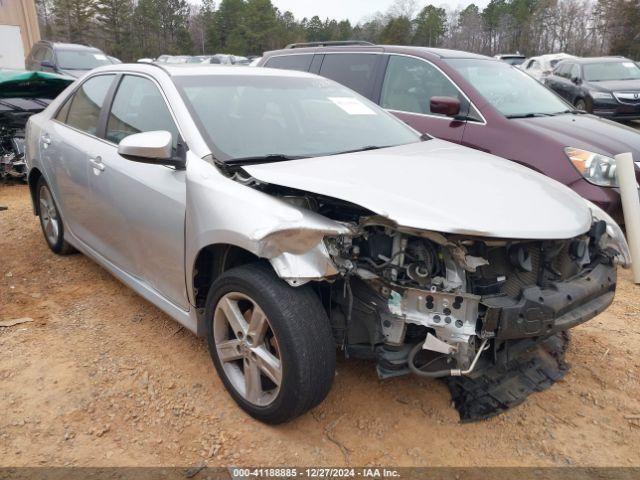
[(581, 104), (50, 220), (271, 343)]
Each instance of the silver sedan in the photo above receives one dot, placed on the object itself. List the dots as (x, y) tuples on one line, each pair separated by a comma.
[(283, 216)]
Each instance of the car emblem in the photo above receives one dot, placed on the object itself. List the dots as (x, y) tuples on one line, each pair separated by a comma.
[(636, 96)]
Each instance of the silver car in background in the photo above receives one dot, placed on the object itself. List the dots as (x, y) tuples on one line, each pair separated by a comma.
[(282, 216), (542, 66)]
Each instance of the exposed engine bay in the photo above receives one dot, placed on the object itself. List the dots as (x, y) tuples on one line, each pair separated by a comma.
[(22, 94), (432, 303), (14, 114)]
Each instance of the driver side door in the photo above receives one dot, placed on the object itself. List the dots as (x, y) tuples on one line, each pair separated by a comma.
[(141, 205)]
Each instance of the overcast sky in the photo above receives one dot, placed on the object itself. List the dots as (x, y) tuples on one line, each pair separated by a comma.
[(355, 10)]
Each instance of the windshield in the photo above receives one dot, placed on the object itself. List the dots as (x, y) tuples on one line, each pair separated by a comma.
[(597, 72), (514, 60), (81, 59), (508, 89), (244, 116)]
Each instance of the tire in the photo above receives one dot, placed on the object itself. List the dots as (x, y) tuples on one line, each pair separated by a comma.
[(51, 220), (297, 335), (581, 104), (495, 389)]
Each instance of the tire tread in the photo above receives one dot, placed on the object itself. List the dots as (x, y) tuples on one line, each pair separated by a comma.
[(307, 332), (496, 389)]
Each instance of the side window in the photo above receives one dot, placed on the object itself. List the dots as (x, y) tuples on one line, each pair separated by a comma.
[(84, 110), (410, 83), (138, 106), (38, 53), (564, 70), (354, 70), (64, 111), (575, 71), (291, 62), (48, 55)]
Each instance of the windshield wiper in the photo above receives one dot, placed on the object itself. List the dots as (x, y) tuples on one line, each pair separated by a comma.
[(571, 111), (258, 159), (361, 149), (530, 115)]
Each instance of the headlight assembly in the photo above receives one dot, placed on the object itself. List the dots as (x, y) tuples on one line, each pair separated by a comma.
[(600, 95), (595, 168), (614, 238)]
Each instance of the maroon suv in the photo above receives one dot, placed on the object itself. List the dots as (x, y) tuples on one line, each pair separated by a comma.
[(479, 102)]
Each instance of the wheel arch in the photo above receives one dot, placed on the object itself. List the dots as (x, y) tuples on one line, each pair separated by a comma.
[(32, 179), (584, 98), (212, 261)]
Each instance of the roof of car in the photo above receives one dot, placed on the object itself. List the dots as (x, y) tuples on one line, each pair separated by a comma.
[(583, 60), (70, 46), (195, 69), (410, 50)]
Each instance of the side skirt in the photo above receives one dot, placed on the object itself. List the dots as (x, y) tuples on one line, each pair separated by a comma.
[(186, 318)]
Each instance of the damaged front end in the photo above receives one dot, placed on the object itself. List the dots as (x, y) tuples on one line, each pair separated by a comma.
[(432, 303)]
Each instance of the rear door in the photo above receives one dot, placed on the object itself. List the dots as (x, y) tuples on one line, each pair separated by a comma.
[(408, 86), (560, 81), (65, 146)]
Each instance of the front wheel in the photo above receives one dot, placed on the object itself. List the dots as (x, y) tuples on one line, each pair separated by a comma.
[(271, 343), (50, 220), (581, 104)]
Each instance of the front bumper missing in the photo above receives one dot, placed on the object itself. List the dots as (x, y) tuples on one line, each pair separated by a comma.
[(558, 307)]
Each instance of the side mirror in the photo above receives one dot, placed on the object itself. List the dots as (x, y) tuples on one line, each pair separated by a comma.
[(449, 106), (576, 80), (151, 147)]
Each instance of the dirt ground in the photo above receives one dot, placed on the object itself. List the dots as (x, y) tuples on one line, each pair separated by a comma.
[(103, 378)]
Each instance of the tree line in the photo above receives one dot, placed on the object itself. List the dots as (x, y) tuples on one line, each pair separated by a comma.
[(131, 29)]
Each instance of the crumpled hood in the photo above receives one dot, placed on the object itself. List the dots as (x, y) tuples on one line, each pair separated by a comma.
[(439, 186)]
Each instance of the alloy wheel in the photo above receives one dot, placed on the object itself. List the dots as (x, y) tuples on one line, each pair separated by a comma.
[(247, 348), (49, 215)]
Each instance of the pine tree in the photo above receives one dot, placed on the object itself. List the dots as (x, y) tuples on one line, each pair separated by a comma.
[(260, 26), (430, 26), (114, 18), (74, 20), (229, 26)]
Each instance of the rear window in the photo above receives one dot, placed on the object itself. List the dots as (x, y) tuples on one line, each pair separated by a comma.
[(290, 62), (354, 70)]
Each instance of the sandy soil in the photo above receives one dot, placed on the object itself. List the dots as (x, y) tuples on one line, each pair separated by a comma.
[(102, 378)]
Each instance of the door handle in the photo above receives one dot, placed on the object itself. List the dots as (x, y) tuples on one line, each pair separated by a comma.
[(46, 140), (97, 163)]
